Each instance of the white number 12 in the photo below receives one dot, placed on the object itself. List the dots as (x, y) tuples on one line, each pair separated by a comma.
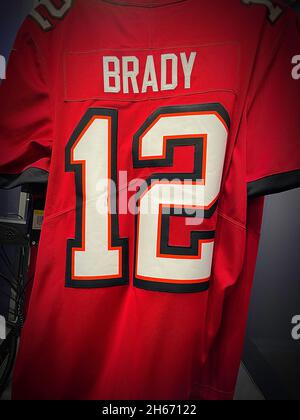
[(98, 257)]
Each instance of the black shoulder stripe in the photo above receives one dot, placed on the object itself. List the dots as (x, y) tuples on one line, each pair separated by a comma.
[(274, 184), (29, 177)]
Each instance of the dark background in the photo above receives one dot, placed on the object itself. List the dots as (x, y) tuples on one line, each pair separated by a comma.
[(271, 355)]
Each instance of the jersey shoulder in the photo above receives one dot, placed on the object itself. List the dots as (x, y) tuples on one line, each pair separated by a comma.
[(276, 12), (47, 13), (48, 19)]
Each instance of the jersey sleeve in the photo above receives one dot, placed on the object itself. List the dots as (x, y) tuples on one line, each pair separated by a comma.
[(273, 120), (26, 131)]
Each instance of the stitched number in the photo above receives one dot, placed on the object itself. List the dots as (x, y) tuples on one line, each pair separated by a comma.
[(97, 257), (53, 10), (159, 266), (275, 11)]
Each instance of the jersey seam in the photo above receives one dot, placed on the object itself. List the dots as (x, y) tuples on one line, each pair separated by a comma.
[(128, 49), (144, 6), (232, 91), (42, 64), (267, 69), (221, 214), (58, 214), (268, 175), (231, 220)]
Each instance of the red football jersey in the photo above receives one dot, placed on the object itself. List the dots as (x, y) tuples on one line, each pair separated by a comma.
[(159, 127)]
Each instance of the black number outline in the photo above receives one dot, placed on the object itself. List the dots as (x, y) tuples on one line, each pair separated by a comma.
[(160, 286), (115, 239)]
